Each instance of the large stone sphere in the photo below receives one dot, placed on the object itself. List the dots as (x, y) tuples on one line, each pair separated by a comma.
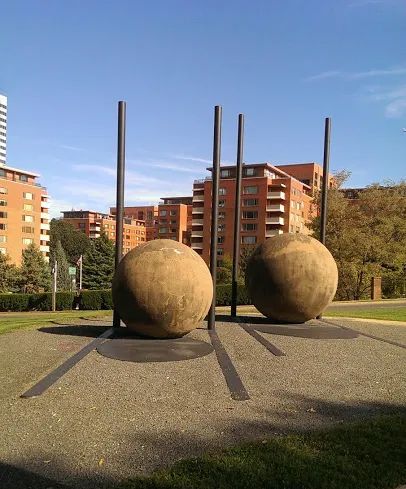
[(162, 289), (291, 278)]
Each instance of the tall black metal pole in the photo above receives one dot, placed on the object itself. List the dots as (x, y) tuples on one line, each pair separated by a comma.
[(120, 193), (214, 210), (324, 188), (237, 214)]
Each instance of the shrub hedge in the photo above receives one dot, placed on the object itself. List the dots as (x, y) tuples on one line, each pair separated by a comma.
[(93, 300)]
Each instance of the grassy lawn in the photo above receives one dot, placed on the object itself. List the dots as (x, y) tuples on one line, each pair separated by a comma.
[(32, 320), (368, 455), (387, 313)]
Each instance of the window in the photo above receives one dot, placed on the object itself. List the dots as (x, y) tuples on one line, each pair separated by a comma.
[(3, 191), (3, 239), (149, 215), (249, 172), (3, 251), (163, 213), (23, 178), (3, 226), (225, 173), (3, 215), (250, 215), (249, 227), (163, 230), (251, 189), (248, 239), (222, 191), (28, 196), (2, 172), (28, 207), (172, 213), (220, 251), (172, 222), (222, 203), (220, 239), (221, 227), (28, 218), (3, 203), (222, 215), (249, 202), (27, 241), (28, 229), (82, 225)]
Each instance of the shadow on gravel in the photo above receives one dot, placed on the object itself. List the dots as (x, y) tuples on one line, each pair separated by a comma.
[(91, 331), (144, 448)]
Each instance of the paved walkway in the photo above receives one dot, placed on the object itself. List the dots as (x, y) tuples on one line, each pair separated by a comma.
[(106, 420)]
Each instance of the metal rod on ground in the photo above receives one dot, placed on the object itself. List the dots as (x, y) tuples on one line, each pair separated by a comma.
[(54, 284), (237, 214), (325, 184), (214, 210), (120, 193)]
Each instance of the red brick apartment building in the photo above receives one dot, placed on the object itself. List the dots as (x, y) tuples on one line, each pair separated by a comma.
[(147, 213), (24, 217), (272, 202), (93, 223), (310, 174), (171, 219)]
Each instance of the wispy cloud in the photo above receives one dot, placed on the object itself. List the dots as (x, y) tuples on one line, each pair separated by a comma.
[(192, 158), (368, 3), (130, 176), (346, 75), (71, 148), (393, 97)]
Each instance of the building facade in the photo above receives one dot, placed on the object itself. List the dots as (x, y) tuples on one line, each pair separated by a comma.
[(175, 219), (310, 174), (272, 202), (147, 213), (94, 223), (24, 217), (3, 129)]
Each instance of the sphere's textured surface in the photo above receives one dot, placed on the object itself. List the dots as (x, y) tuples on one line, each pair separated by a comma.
[(162, 289), (291, 278)]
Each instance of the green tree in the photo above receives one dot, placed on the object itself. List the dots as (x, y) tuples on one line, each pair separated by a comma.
[(63, 279), (366, 236), (98, 264), (34, 273), (74, 242), (8, 275), (245, 253)]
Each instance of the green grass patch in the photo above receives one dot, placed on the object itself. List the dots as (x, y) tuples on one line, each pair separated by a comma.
[(368, 455), (385, 313), (32, 320)]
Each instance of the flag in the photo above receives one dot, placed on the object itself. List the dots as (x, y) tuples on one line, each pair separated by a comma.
[(79, 262)]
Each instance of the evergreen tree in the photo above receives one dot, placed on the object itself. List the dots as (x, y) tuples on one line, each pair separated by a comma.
[(35, 273), (64, 281), (74, 242), (8, 275), (98, 264)]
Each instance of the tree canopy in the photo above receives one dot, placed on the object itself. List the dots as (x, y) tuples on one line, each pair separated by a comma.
[(98, 264), (34, 272), (74, 242), (366, 236), (63, 279)]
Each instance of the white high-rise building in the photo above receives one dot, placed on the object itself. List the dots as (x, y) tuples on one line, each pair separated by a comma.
[(3, 129)]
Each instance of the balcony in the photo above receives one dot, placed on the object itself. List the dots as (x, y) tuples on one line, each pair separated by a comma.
[(197, 246), (94, 234), (280, 221), (275, 208), (276, 195), (197, 234), (44, 237), (198, 222), (198, 198), (44, 204), (44, 248), (197, 210), (269, 233), (44, 215), (44, 227)]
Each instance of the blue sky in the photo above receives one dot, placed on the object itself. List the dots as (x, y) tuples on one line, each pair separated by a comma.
[(285, 65)]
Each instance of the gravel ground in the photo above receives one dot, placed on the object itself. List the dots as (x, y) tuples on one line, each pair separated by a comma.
[(107, 420)]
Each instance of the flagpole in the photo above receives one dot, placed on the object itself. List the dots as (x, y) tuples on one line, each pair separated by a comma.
[(80, 272)]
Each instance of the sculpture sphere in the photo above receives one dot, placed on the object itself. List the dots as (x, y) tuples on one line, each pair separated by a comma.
[(291, 278), (162, 289)]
